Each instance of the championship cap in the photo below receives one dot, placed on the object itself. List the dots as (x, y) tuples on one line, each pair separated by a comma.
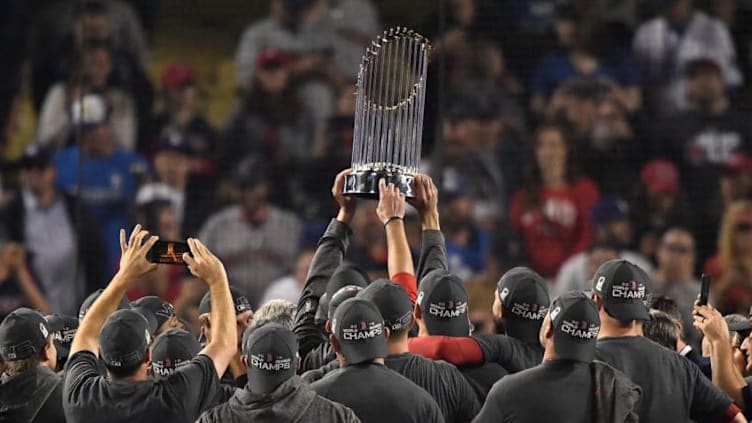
[(322, 310), (346, 274), (626, 290), (171, 351), (442, 299), (392, 301), (576, 326), (159, 308), (239, 301), (524, 295), (23, 333), (124, 303), (271, 350), (359, 328), (63, 329), (344, 293), (124, 339)]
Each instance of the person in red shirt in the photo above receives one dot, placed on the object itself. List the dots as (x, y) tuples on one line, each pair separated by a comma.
[(552, 210)]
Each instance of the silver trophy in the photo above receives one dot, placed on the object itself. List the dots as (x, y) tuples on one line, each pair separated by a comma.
[(389, 113)]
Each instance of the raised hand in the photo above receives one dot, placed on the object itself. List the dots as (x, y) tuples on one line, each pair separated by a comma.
[(391, 202), (711, 323), (133, 253), (203, 264), (426, 201), (347, 204)]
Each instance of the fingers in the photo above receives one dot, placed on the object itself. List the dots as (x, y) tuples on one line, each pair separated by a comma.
[(150, 243), (123, 245), (382, 188), (339, 182), (134, 234)]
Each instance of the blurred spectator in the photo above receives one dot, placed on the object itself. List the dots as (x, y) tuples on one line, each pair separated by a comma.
[(64, 245), (92, 74), (190, 195), (319, 36), (104, 176), (256, 241), (66, 27), (675, 276), (582, 60), (731, 267), (467, 244), (664, 47), (552, 210), (289, 287), (739, 327), (612, 231), (368, 242), (658, 205), (182, 115), (486, 62), (577, 272), (269, 121), (574, 104), (17, 286), (611, 152)]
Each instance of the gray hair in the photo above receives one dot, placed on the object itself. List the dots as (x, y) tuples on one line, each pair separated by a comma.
[(661, 328), (275, 311)]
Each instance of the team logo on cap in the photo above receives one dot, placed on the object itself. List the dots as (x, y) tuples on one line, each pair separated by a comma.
[(270, 363), (448, 309), (529, 311), (503, 294), (580, 329), (599, 283), (555, 312), (168, 366), (44, 331), (362, 330), (242, 304), (65, 336), (628, 290)]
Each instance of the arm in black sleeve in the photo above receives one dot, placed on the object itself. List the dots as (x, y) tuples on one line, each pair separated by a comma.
[(328, 257), (433, 253), (510, 353)]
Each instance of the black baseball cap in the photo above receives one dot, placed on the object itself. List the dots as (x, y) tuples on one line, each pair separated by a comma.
[(174, 141), (171, 351), (524, 295), (151, 319), (272, 353), (626, 290), (359, 328), (392, 301), (124, 303), (23, 333), (36, 155), (738, 322), (239, 300), (344, 293), (250, 173), (124, 339), (346, 274), (576, 325), (442, 299), (63, 329), (159, 308)]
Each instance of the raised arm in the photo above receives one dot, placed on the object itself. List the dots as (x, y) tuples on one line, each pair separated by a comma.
[(329, 254), (15, 257), (433, 249), (224, 335), (725, 376), (133, 265), (391, 212)]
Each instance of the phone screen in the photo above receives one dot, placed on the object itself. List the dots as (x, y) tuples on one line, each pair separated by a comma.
[(168, 252)]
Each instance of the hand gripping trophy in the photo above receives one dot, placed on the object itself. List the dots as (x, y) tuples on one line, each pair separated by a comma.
[(389, 113)]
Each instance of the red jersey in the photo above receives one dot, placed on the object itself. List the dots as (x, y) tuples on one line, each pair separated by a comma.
[(559, 228)]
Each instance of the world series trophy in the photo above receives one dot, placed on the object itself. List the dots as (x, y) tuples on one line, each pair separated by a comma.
[(389, 113)]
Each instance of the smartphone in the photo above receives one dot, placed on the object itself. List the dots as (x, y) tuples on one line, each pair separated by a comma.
[(168, 252), (704, 289)]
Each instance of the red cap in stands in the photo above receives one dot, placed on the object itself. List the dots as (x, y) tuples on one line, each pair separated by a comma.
[(177, 75), (660, 176), (272, 58)]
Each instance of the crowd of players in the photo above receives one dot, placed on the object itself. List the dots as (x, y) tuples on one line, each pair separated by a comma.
[(399, 350)]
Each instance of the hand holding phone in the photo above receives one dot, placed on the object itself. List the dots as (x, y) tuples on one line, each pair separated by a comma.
[(704, 289), (168, 252)]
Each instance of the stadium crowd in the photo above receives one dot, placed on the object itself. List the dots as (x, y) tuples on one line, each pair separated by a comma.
[(583, 162)]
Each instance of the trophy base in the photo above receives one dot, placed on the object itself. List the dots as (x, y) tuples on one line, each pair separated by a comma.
[(366, 184)]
